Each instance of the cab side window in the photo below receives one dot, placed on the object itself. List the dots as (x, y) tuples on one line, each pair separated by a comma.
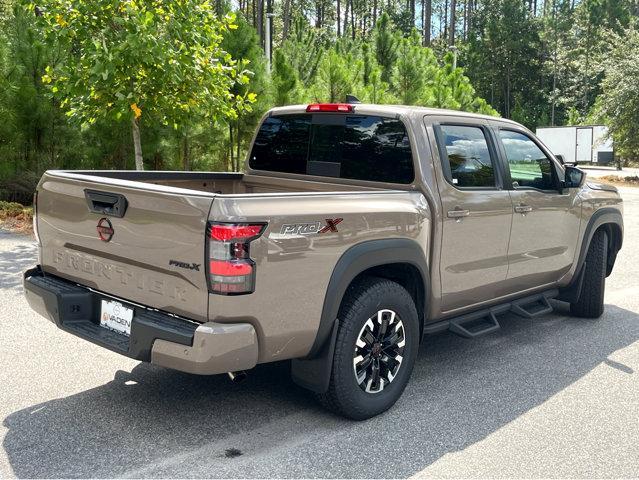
[(529, 166), (468, 161)]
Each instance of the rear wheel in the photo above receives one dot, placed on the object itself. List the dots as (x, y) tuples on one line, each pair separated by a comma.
[(590, 303), (376, 347)]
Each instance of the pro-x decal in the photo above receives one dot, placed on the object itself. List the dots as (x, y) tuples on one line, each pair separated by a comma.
[(310, 228)]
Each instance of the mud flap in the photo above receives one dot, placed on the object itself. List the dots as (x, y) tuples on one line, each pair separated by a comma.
[(314, 373)]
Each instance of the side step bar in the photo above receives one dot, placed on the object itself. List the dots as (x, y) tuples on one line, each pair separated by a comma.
[(482, 322)]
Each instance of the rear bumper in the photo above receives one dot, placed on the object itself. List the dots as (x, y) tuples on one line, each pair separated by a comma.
[(156, 337)]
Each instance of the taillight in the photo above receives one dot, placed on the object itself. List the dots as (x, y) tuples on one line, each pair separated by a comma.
[(231, 271), (330, 107)]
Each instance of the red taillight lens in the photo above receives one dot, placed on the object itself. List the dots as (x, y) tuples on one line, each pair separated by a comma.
[(330, 107), (231, 269), (224, 232)]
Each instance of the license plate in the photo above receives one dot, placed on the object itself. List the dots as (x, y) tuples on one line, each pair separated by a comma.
[(116, 317)]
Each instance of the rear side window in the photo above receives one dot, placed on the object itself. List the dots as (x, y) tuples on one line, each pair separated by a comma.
[(468, 162), (357, 147)]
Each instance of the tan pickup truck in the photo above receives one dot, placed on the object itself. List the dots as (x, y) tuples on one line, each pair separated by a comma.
[(355, 231)]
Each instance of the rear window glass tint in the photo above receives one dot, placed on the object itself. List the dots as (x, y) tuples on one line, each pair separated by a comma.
[(359, 147), (468, 162)]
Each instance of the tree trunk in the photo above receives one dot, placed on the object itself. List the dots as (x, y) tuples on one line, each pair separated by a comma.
[(352, 20), (427, 7), (137, 145), (232, 163), (239, 146), (464, 32), (339, 18), (374, 13), (451, 32), (260, 21), (286, 20), (186, 159), (346, 17), (444, 20), (253, 15)]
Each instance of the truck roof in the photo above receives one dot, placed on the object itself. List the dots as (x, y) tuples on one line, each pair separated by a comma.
[(370, 108)]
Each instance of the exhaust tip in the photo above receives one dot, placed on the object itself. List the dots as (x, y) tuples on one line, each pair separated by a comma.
[(237, 377)]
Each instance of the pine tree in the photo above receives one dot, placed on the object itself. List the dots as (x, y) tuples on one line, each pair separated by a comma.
[(409, 72), (304, 51), (337, 77), (242, 43), (284, 81), (385, 46)]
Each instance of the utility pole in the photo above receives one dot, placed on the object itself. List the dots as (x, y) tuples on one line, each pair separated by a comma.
[(267, 41)]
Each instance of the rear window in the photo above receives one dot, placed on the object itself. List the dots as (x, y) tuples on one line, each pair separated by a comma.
[(358, 147)]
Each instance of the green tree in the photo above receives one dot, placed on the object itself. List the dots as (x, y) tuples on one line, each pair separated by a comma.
[(585, 51), (337, 77), (385, 46), (504, 60), (618, 105), (123, 60), (242, 42), (303, 50), (284, 81)]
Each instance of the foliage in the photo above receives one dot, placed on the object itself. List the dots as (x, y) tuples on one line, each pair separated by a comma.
[(385, 46), (123, 59), (618, 106), (542, 62), (303, 51), (284, 81)]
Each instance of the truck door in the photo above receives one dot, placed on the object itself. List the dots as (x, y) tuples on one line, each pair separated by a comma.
[(584, 144), (546, 220), (476, 211)]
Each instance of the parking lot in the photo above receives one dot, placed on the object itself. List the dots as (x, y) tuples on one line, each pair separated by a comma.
[(550, 397)]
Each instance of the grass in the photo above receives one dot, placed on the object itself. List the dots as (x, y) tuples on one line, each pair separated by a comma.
[(16, 217)]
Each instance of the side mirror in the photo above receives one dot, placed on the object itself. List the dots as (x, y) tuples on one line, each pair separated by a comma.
[(574, 177)]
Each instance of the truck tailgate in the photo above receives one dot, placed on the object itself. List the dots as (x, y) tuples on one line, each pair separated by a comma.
[(155, 255)]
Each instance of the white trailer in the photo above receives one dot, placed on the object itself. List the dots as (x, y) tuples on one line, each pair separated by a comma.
[(579, 144)]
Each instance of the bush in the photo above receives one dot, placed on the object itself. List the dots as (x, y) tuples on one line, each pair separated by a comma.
[(10, 209)]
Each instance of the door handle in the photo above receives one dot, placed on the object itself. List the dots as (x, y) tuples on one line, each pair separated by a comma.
[(106, 203), (523, 208), (458, 213)]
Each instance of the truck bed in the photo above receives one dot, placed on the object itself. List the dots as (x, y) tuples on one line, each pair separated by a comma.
[(220, 183), (164, 223)]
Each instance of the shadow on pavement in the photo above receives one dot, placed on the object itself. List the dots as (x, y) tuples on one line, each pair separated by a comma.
[(461, 391)]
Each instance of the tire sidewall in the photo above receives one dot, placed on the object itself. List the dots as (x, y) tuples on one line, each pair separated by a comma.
[(393, 297)]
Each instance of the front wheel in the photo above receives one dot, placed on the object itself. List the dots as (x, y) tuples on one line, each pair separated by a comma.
[(590, 303), (376, 347)]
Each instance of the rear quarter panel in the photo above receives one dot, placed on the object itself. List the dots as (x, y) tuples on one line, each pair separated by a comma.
[(293, 271)]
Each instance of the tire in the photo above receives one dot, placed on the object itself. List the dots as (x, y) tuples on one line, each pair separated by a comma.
[(590, 303), (348, 395)]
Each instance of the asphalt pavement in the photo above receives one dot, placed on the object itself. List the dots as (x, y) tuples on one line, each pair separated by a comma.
[(550, 397)]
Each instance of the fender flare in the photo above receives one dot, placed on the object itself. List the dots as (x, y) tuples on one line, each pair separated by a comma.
[(603, 216), (313, 371)]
